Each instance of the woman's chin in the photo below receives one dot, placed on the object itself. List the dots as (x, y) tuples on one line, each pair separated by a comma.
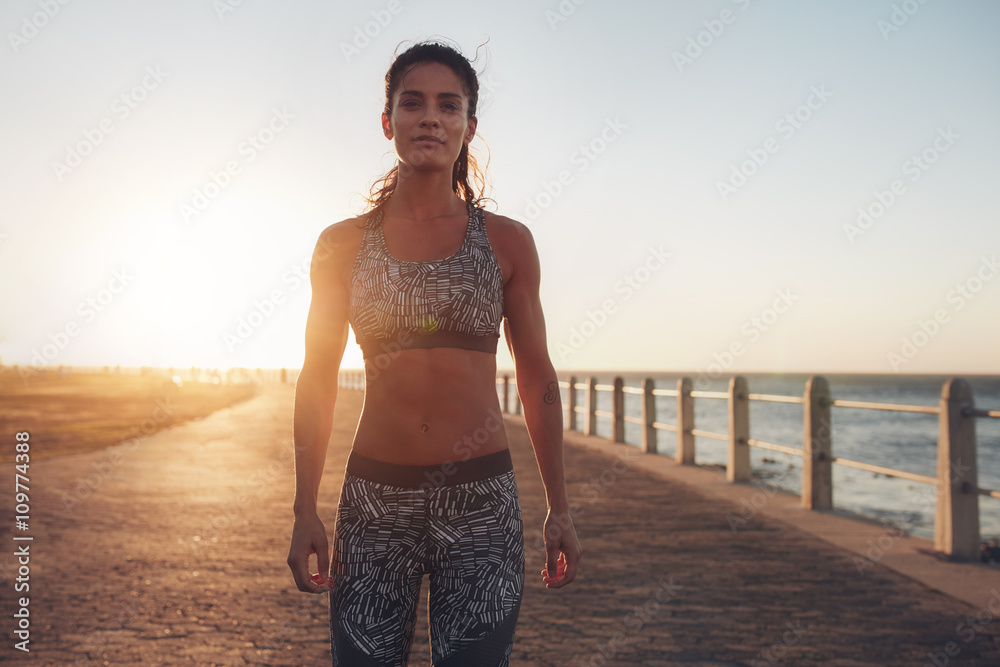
[(425, 163)]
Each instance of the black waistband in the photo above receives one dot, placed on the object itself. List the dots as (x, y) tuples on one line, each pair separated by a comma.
[(434, 475), (409, 340)]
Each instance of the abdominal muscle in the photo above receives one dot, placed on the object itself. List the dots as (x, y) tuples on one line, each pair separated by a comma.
[(430, 405)]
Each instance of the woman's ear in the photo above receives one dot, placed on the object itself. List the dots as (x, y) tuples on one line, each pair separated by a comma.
[(386, 126), (471, 133)]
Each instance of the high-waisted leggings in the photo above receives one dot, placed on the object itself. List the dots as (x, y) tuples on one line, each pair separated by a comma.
[(458, 522)]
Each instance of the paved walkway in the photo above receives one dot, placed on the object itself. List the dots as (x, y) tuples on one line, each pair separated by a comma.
[(172, 552)]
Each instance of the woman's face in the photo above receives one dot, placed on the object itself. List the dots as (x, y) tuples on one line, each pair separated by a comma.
[(429, 121)]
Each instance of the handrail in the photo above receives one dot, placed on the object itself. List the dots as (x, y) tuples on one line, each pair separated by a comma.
[(754, 442), (882, 470), (712, 435), (956, 414), (892, 407), (775, 398), (709, 394)]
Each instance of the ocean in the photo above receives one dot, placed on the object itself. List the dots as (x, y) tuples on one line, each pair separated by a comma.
[(898, 440)]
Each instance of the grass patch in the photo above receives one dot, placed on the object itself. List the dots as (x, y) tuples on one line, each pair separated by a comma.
[(79, 412)]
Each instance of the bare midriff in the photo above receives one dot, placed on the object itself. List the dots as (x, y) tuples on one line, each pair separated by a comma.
[(430, 405)]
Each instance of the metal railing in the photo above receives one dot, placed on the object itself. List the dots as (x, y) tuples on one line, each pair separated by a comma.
[(956, 525)]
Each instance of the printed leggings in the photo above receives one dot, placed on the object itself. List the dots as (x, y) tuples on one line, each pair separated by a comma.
[(458, 522)]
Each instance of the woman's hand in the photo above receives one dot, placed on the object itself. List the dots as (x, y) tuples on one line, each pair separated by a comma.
[(562, 550), (309, 537)]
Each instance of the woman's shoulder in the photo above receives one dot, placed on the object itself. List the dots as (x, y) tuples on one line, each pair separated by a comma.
[(508, 231), (342, 238), (347, 227)]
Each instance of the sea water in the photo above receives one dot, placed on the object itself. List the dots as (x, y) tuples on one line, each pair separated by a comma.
[(899, 440)]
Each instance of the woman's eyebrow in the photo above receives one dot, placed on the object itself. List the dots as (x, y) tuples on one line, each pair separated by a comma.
[(417, 93)]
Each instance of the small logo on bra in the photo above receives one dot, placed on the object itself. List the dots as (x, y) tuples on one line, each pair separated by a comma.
[(428, 325)]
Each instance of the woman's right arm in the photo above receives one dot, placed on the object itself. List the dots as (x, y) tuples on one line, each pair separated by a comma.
[(315, 396)]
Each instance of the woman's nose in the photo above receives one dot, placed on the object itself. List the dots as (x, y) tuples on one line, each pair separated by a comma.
[(430, 116)]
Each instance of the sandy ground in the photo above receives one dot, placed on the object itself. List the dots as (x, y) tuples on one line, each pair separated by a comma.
[(171, 550)]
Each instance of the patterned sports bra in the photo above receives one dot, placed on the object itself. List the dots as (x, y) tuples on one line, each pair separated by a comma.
[(452, 302)]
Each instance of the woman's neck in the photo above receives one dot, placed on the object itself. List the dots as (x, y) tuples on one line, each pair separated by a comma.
[(423, 195)]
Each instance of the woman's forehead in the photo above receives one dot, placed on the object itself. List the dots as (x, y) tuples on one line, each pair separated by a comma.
[(431, 77)]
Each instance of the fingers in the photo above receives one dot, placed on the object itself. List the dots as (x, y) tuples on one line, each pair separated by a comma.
[(553, 557), (298, 561), (572, 566), (562, 559), (310, 583), (323, 560), (320, 580), (560, 577)]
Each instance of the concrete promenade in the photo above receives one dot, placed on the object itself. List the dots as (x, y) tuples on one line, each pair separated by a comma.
[(173, 552)]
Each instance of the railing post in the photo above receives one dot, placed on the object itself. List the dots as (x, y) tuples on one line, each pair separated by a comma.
[(618, 411), (956, 525), (685, 423), (817, 466), (571, 403), (648, 416), (517, 398), (738, 465), (591, 406), (506, 394)]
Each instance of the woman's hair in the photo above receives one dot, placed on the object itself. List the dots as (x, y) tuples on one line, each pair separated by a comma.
[(466, 171)]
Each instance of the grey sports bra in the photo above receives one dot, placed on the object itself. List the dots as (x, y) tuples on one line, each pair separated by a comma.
[(452, 302)]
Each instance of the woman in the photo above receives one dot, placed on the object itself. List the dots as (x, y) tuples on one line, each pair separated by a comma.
[(425, 279)]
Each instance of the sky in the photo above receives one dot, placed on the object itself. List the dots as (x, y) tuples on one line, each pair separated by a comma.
[(716, 186)]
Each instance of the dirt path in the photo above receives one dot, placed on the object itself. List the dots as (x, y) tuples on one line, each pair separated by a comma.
[(176, 556)]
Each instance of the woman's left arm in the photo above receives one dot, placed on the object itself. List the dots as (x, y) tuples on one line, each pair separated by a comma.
[(538, 389)]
